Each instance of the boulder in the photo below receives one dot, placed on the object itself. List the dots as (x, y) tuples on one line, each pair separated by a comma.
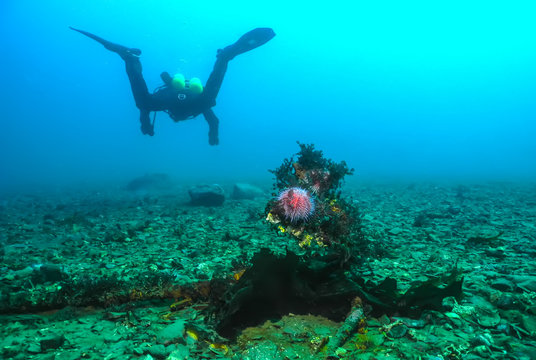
[(207, 195)]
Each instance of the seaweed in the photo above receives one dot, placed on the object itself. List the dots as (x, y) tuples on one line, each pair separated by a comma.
[(276, 285), (335, 220), (309, 169)]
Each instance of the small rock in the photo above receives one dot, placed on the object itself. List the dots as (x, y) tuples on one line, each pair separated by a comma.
[(482, 339), (180, 353), (172, 333), (507, 302), (158, 351), (141, 349), (27, 271), (265, 350), (245, 237), (482, 351), (529, 323), (398, 331), (53, 341), (376, 339), (448, 303), (34, 349), (488, 317), (524, 352), (11, 351), (531, 309), (414, 323), (525, 282), (395, 231), (496, 253), (503, 284), (48, 273), (111, 338), (69, 355)]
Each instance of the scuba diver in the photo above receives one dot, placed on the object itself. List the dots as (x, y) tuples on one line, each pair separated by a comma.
[(182, 99)]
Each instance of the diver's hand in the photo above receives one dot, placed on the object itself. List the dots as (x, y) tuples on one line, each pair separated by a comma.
[(213, 137), (147, 129), (213, 123), (213, 140)]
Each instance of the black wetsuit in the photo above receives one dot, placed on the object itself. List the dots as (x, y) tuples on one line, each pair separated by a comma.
[(182, 105)]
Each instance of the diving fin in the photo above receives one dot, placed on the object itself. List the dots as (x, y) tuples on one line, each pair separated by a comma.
[(249, 41), (119, 49)]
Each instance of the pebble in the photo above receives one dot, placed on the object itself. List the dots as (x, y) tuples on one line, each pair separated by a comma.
[(69, 355), (113, 337), (53, 341), (158, 351), (524, 282), (503, 284), (528, 323), (507, 302), (34, 349), (395, 231), (448, 303), (398, 331), (172, 333), (488, 317), (181, 352)]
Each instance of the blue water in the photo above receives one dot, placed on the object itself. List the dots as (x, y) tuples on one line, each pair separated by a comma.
[(400, 90)]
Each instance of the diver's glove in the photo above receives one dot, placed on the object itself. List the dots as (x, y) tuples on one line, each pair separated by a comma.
[(213, 138), (213, 126), (147, 128)]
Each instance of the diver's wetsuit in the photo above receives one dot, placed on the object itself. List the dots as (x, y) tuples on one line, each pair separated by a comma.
[(181, 104)]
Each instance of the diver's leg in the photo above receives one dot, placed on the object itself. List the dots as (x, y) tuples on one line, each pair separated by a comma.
[(247, 42), (215, 79), (213, 125), (133, 66), (142, 97)]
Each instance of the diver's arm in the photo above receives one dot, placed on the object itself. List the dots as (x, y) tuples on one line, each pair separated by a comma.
[(213, 124)]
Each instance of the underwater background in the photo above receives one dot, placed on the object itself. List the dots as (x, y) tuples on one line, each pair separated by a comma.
[(402, 225), (400, 90)]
